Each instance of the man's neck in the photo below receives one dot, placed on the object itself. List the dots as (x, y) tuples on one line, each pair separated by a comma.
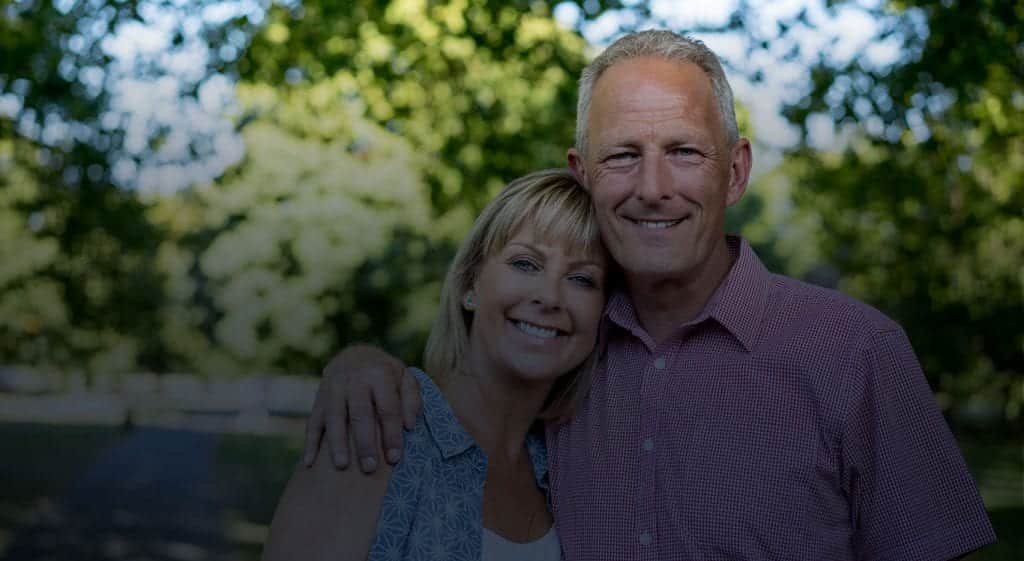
[(663, 304)]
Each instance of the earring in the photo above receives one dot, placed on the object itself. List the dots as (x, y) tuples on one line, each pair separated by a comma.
[(467, 302)]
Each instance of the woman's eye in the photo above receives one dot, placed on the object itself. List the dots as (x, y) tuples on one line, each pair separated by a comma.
[(584, 281), (525, 265)]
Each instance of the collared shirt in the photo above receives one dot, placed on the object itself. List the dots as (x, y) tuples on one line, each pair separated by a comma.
[(432, 509), (785, 422)]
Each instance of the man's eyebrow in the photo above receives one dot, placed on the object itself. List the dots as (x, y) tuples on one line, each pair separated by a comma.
[(617, 144)]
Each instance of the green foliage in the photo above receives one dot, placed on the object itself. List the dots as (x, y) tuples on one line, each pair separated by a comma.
[(921, 207), (380, 130), (323, 235), (31, 306), (376, 130), (81, 291), (265, 265), (486, 90)]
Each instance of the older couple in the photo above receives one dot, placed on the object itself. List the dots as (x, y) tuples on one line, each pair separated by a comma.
[(726, 413)]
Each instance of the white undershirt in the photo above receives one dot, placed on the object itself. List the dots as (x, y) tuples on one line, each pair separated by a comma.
[(497, 548)]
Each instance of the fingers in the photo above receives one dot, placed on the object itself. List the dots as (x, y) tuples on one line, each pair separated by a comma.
[(337, 438), (359, 391), (411, 402), (314, 430), (389, 411), (364, 428)]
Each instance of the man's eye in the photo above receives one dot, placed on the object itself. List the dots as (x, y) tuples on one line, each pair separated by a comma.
[(620, 157), (686, 151), (525, 265)]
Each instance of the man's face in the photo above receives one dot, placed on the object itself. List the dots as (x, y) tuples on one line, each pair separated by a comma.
[(658, 167)]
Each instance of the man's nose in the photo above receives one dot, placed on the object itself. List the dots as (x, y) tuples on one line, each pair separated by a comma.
[(655, 182)]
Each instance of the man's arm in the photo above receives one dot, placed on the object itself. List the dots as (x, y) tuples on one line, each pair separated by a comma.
[(911, 496), (326, 514), (362, 385)]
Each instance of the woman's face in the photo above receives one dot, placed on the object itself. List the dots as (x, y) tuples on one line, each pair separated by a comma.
[(537, 309)]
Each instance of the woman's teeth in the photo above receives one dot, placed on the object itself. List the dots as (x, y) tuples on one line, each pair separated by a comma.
[(530, 329)]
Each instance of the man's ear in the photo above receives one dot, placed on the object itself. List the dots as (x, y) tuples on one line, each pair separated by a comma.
[(575, 161), (739, 172)]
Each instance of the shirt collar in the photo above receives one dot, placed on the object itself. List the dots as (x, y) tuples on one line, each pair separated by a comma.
[(452, 439), (737, 304), (445, 429)]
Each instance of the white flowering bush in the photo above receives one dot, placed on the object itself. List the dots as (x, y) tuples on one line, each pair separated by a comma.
[(266, 266)]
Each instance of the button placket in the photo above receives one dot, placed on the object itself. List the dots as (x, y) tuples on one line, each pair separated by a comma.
[(654, 381)]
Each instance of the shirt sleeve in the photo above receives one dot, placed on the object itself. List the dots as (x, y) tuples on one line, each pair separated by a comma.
[(911, 496)]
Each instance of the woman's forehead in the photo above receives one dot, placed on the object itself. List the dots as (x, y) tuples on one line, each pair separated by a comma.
[(532, 235)]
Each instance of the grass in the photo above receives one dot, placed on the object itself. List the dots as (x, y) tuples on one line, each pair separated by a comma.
[(997, 464), (40, 462)]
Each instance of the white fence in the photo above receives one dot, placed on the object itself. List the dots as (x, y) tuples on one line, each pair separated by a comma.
[(255, 404)]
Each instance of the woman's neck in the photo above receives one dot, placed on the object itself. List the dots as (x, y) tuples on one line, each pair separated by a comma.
[(497, 411)]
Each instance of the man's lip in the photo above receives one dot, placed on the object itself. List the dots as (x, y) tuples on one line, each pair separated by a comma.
[(678, 220)]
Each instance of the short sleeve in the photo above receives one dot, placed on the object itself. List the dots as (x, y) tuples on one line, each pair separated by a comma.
[(911, 496)]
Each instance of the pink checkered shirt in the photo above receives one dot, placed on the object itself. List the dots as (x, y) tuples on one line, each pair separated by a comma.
[(786, 422)]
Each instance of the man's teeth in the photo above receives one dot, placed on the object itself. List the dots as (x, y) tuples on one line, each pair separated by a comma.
[(530, 329), (658, 224)]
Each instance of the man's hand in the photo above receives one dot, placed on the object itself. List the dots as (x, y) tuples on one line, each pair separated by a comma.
[(362, 385)]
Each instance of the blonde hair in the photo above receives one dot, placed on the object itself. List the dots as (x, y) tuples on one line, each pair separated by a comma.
[(556, 207), (662, 44)]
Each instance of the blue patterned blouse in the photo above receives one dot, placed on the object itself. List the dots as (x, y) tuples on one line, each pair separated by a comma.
[(433, 506)]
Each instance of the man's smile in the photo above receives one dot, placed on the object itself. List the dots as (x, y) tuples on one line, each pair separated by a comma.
[(656, 223)]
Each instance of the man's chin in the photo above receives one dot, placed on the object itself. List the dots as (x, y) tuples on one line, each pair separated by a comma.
[(648, 272)]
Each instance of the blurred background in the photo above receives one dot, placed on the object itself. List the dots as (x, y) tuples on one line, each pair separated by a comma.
[(201, 201)]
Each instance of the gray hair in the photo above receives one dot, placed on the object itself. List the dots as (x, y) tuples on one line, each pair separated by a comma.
[(662, 44)]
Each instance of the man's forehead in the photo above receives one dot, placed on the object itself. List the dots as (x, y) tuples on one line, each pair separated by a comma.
[(647, 95), (635, 73)]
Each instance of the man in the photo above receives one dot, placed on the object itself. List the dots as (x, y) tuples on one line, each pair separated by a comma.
[(736, 414)]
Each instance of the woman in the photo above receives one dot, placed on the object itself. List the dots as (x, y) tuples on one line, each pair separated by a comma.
[(519, 318)]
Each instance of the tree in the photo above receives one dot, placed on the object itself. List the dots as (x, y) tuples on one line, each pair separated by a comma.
[(485, 89), (482, 92), (375, 132), (921, 207), (320, 233), (84, 246)]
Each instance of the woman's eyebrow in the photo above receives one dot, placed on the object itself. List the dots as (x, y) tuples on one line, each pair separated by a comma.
[(528, 246)]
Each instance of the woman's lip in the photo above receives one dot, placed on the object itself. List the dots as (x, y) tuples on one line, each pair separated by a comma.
[(558, 331)]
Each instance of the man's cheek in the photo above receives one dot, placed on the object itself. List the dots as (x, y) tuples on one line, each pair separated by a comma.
[(607, 177), (610, 192)]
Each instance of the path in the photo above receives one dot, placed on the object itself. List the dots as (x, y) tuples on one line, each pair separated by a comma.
[(152, 496)]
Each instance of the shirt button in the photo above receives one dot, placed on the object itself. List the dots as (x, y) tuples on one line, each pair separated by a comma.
[(646, 539), (648, 444), (659, 363)]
